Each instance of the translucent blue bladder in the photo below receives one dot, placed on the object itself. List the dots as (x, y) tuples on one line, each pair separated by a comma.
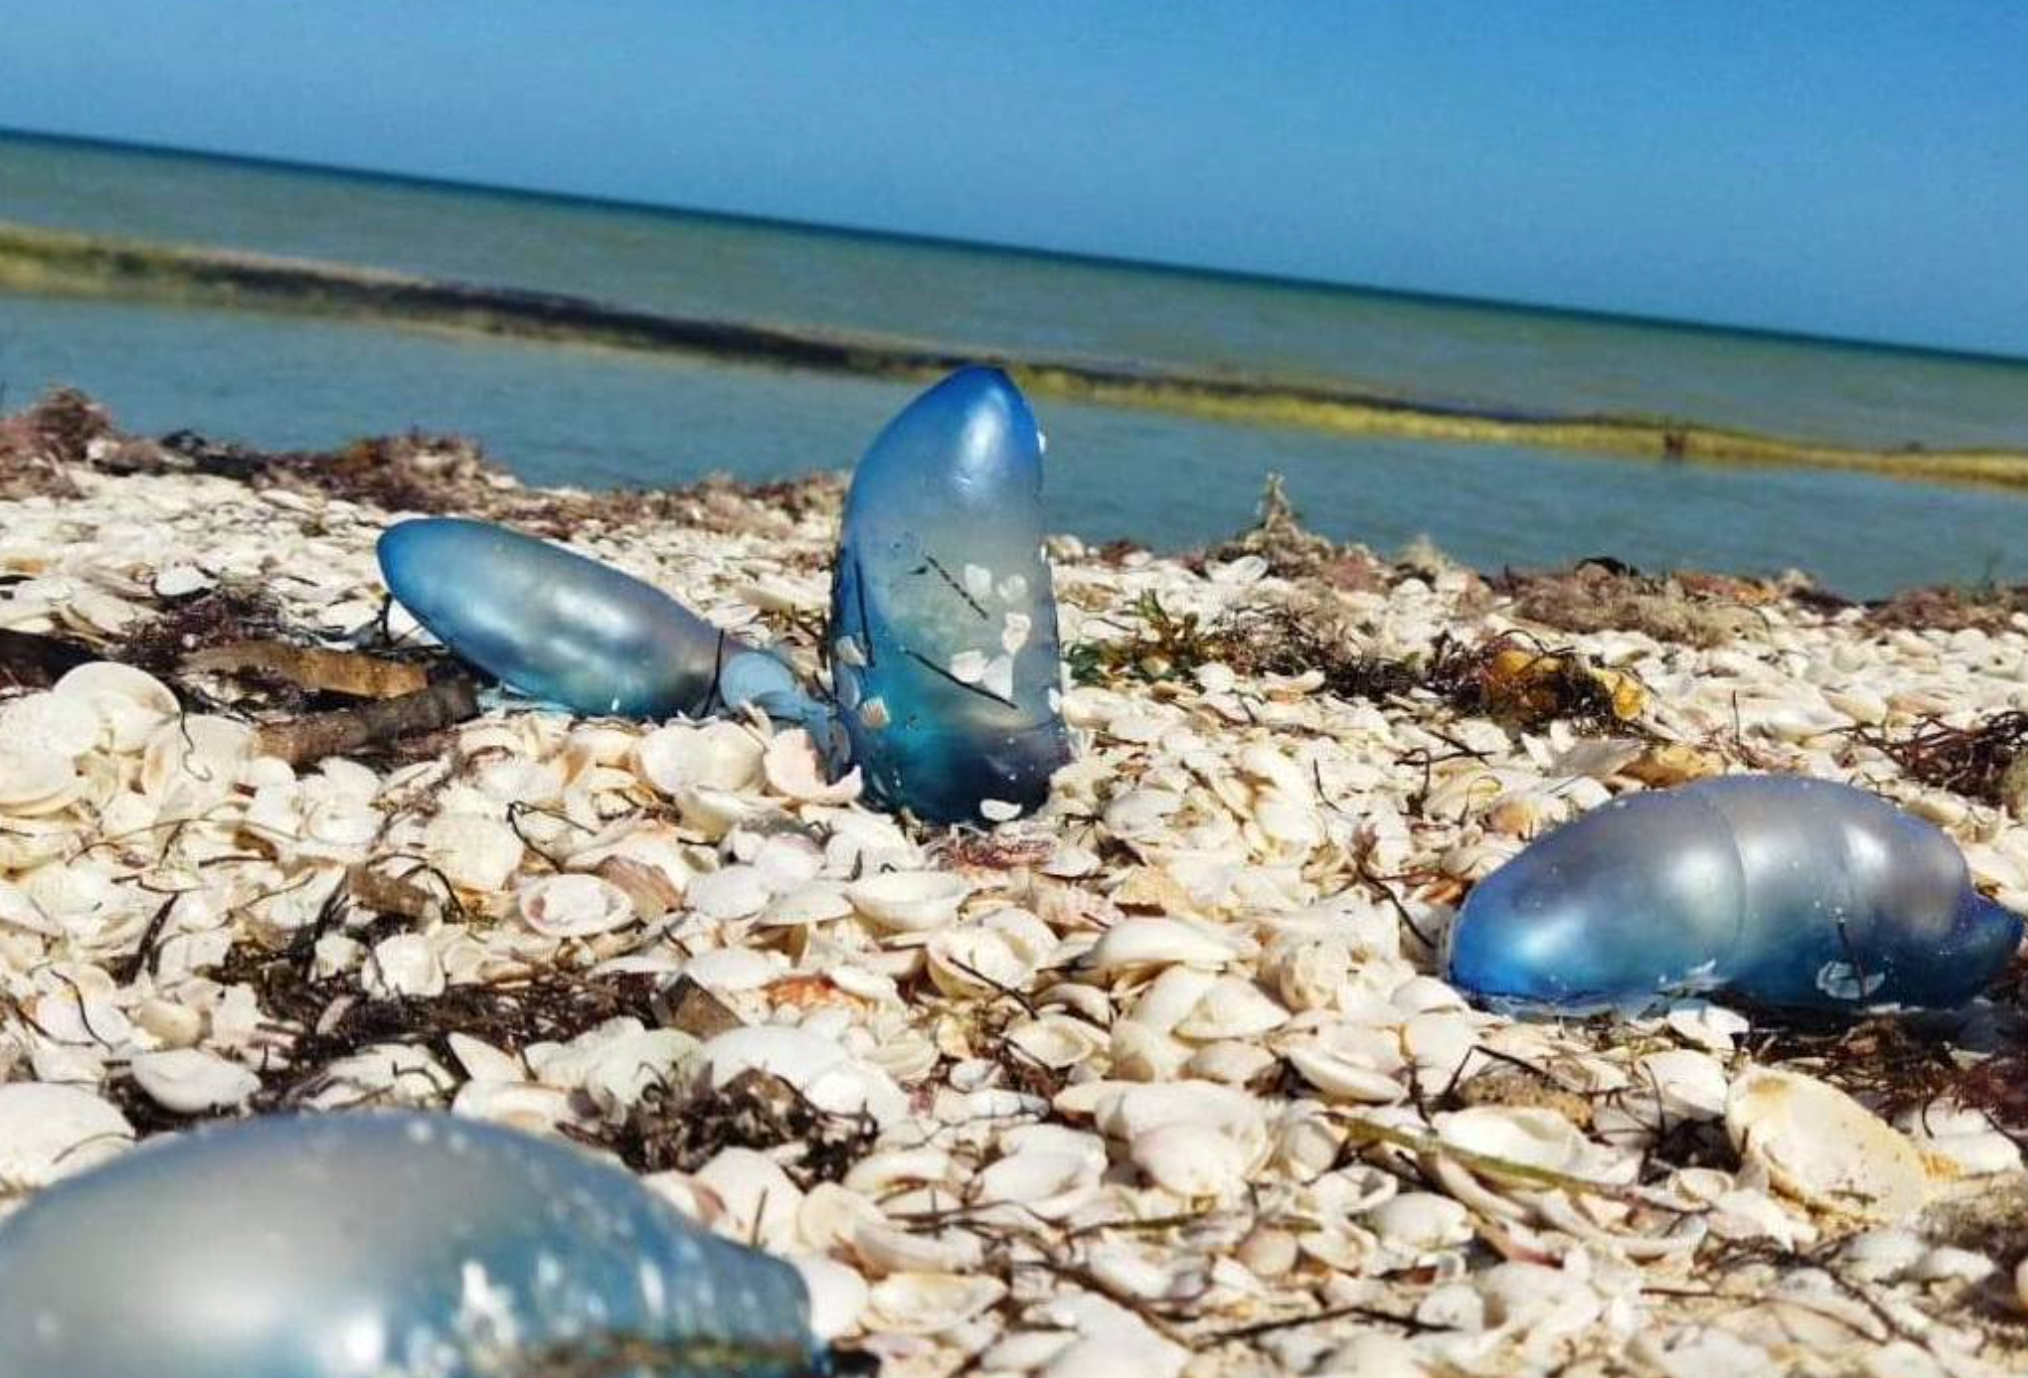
[(365, 1246), (1781, 891), (943, 638), (942, 644), (571, 631)]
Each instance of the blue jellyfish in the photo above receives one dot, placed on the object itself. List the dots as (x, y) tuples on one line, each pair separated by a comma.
[(561, 628), (943, 639), (353, 1246), (1781, 891)]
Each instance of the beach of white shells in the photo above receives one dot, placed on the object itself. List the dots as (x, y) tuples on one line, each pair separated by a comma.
[(1163, 1080)]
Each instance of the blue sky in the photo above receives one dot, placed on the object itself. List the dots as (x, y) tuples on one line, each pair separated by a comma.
[(1844, 167)]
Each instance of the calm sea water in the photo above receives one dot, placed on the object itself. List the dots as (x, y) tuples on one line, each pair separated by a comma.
[(606, 417)]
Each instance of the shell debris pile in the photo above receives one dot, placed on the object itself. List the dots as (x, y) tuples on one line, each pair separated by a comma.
[(1157, 1082)]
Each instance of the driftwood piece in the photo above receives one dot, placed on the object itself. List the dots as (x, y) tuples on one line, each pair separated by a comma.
[(319, 735), (311, 667), (32, 661)]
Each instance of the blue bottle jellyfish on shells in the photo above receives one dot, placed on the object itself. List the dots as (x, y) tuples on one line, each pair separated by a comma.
[(562, 628), (1781, 891), (943, 639), (372, 1245)]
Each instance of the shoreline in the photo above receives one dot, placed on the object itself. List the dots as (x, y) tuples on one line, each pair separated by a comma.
[(80, 266), (1295, 759)]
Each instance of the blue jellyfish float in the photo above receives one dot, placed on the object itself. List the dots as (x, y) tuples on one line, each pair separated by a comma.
[(571, 631), (942, 643), (1781, 891), (943, 640), (357, 1246)]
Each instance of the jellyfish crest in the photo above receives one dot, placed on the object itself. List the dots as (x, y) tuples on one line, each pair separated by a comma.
[(943, 639)]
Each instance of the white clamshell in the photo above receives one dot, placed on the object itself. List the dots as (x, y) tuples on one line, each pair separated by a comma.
[(1822, 1147)]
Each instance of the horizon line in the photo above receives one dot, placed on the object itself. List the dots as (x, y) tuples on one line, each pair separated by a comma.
[(1415, 296)]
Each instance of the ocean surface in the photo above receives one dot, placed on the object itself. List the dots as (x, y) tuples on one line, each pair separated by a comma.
[(595, 416)]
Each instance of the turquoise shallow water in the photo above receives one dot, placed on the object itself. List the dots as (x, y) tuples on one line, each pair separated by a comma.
[(601, 418), (606, 417)]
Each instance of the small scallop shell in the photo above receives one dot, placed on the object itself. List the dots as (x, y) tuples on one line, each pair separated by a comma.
[(1135, 943), (716, 812), (66, 725), (757, 1201), (909, 901), (48, 1131), (831, 1214), (189, 1081), (1823, 1147), (1420, 1222), (1965, 1137), (1234, 1007), (717, 755), (1205, 1107), (930, 1303), (515, 1104), (1308, 974), (475, 852), (817, 902), (794, 769), (130, 703), (1687, 1084), (1233, 1062), (200, 757), (404, 965), (1032, 1177), (1057, 1041), (1184, 1159), (787, 862), (1343, 1080), (1529, 1137), (815, 1065), (733, 892), (1140, 811), (734, 969), (35, 780), (974, 961), (574, 906), (838, 1295)]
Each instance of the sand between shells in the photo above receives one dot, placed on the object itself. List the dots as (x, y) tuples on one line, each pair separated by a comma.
[(1158, 1082)]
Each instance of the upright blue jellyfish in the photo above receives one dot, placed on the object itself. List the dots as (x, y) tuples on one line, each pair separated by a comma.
[(561, 628), (356, 1246), (1784, 892), (942, 640)]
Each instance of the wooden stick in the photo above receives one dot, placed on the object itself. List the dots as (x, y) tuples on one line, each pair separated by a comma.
[(319, 735), (312, 667)]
